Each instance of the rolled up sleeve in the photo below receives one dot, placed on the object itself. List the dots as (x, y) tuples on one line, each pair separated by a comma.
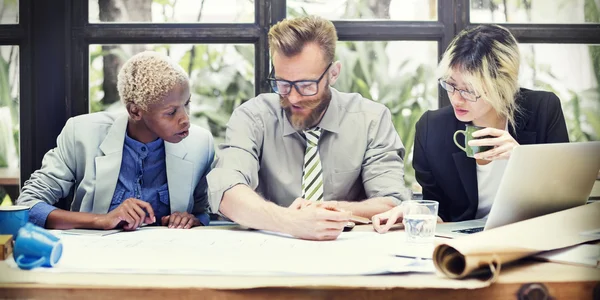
[(38, 214), (383, 165), (237, 159)]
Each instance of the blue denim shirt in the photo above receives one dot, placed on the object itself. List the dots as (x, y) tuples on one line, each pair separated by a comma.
[(143, 175)]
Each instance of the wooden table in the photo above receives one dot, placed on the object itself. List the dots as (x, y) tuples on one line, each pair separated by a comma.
[(559, 280), (9, 176), (9, 180)]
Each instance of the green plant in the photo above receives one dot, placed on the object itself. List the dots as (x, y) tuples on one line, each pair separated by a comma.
[(580, 107), (219, 86), (408, 94), (9, 125)]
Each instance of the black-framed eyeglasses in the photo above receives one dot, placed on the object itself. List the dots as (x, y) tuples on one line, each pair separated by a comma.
[(303, 87), (465, 94)]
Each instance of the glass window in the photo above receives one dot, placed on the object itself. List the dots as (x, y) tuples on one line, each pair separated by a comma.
[(404, 10), (9, 123), (171, 11), (535, 11), (399, 74), (9, 12), (221, 76), (572, 72)]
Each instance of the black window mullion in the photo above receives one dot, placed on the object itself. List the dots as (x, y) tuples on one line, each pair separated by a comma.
[(278, 10), (11, 34), (388, 30), (263, 10), (172, 33), (452, 19), (27, 141), (555, 33), (78, 91), (462, 15), (44, 65)]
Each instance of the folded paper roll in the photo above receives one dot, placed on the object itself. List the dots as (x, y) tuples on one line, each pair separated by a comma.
[(488, 250)]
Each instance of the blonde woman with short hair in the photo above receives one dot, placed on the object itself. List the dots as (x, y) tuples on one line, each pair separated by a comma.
[(144, 167), (479, 71)]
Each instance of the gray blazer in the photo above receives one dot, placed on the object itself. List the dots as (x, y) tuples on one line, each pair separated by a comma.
[(88, 155)]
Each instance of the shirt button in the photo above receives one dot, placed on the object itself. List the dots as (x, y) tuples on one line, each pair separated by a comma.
[(144, 149)]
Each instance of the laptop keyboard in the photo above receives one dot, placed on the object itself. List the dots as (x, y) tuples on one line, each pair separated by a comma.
[(470, 230)]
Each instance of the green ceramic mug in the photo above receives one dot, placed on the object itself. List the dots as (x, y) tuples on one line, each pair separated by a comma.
[(468, 133)]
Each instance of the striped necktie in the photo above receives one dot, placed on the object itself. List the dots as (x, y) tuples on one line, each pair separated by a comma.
[(312, 176)]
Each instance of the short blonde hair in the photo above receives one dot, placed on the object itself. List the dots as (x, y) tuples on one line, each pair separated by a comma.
[(291, 35), (488, 58), (148, 77)]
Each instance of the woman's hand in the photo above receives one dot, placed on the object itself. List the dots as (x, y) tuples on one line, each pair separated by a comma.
[(384, 221), (130, 214), (180, 220), (501, 140)]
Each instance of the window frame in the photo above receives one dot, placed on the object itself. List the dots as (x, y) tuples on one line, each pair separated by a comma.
[(54, 42)]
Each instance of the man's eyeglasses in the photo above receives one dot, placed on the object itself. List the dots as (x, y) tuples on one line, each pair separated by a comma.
[(303, 87), (465, 94)]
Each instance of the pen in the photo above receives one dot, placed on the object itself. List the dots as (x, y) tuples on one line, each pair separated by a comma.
[(353, 218), (358, 219)]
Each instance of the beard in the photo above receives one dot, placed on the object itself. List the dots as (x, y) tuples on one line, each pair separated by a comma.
[(317, 107)]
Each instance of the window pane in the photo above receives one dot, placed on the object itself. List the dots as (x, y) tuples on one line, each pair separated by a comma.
[(399, 74), (9, 12), (535, 11), (405, 10), (171, 11), (221, 76), (9, 123), (572, 72)]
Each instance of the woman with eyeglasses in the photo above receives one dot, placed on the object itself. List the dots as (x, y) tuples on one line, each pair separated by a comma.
[(479, 71)]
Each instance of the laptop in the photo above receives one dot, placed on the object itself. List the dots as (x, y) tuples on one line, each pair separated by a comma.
[(538, 179)]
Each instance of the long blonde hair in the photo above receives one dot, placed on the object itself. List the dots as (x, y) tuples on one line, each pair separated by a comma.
[(488, 58)]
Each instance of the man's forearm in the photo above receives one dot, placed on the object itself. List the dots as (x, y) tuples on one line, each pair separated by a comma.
[(369, 207), (63, 219), (244, 206)]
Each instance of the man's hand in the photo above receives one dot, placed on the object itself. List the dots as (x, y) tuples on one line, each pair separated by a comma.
[(131, 213), (180, 220), (300, 203), (318, 222)]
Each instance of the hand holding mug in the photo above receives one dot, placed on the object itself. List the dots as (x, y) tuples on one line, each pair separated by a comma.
[(468, 133), (500, 141), (486, 143)]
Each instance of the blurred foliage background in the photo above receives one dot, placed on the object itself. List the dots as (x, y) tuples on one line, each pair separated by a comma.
[(222, 75), (395, 73)]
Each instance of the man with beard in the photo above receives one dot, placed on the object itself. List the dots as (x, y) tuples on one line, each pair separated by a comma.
[(316, 155)]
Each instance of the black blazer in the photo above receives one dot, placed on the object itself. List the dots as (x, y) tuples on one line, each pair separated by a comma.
[(449, 176)]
